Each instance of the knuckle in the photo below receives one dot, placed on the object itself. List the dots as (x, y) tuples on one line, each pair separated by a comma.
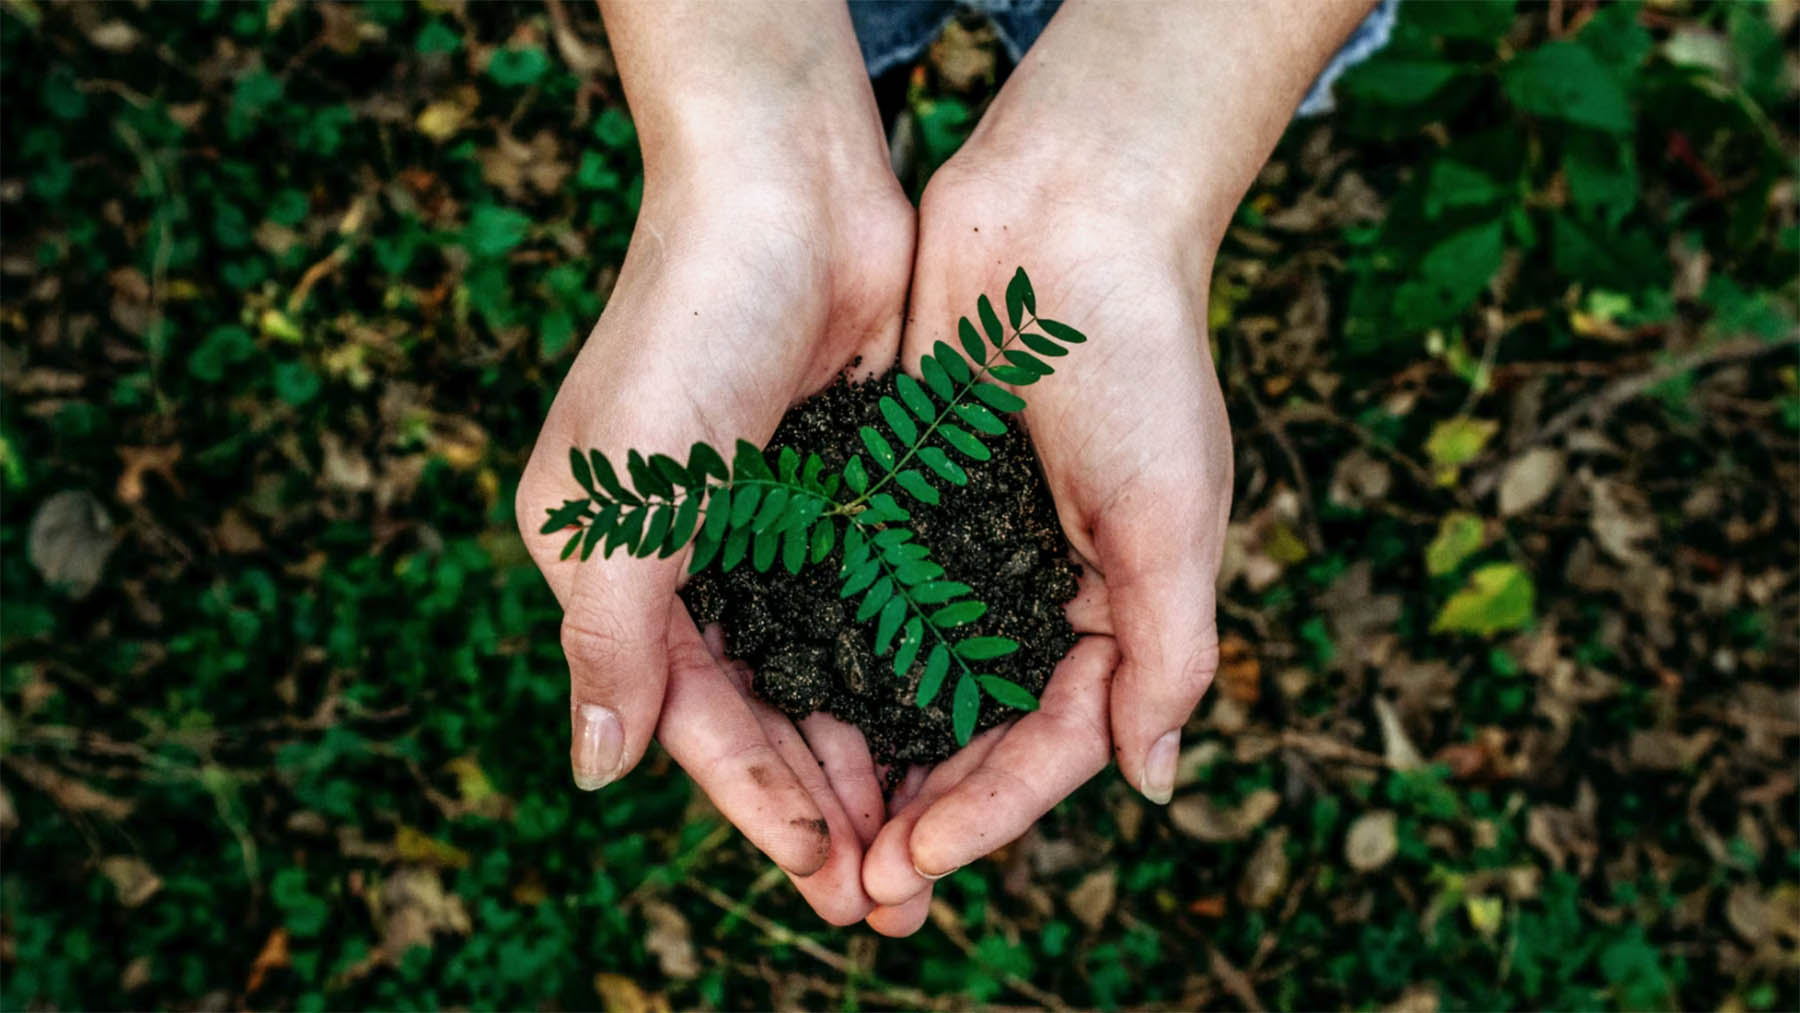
[(592, 647)]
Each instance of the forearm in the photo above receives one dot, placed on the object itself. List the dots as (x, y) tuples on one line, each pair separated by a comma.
[(749, 85), (1177, 102)]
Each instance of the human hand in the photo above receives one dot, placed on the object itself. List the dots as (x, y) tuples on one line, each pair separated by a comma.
[(772, 250), (1109, 166)]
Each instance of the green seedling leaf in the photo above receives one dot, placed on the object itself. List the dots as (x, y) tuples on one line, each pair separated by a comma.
[(958, 614), (1062, 332), (609, 479), (985, 648), (574, 541), (1028, 362), (1009, 693), (889, 538), (1014, 375), (885, 511), (671, 471), (682, 529), (940, 591), (990, 322), (855, 475), (565, 515), (789, 464), (915, 483), (965, 442), (647, 482), (889, 624), (762, 553), (946, 469), (1498, 597), (774, 502), (965, 708), (658, 529), (998, 398), (953, 363), (1020, 299), (793, 550), (706, 547), (916, 571), (915, 398), (971, 341), (1042, 345), (579, 465), (592, 539), (937, 664), (875, 599), (911, 638), (824, 536), (980, 418), (704, 460), (1460, 535), (743, 505), (897, 420), (878, 447), (748, 462), (935, 376), (861, 577), (718, 514)]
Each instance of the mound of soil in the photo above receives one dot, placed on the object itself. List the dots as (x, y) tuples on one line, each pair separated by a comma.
[(998, 534)]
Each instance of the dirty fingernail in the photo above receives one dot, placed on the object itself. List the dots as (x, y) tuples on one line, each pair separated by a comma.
[(599, 743), (1159, 768)]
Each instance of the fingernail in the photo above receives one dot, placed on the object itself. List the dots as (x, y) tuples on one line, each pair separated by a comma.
[(1159, 768), (599, 741), (926, 875)]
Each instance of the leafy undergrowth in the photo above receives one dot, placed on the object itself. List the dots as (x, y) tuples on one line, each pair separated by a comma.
[(1507, 715)]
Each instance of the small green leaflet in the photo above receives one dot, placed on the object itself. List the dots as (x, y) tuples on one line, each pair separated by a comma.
[(1009, 693), (965, 709)]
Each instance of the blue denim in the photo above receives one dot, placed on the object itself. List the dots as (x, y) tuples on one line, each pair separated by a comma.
[(894, 32)]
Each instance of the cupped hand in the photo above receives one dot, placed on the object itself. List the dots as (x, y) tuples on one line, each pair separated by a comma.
[(1134, 441), (736, 298)]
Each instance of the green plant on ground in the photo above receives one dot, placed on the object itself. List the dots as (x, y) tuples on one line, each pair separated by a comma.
[(797, 513)]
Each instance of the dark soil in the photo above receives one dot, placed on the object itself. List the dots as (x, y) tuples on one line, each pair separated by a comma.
[(998, 534)]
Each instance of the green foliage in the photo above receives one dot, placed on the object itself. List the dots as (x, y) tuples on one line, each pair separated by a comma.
[(793, 512)]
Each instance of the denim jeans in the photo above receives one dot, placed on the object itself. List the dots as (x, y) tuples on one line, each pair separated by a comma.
[(895, 32)]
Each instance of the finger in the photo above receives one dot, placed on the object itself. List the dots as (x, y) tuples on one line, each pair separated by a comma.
[(899, 920), (614, 636), (1045, 756), (708, 727), (844, 754), (1162, 596), (907, 790), (888, 874), (835, 889), (1090, 611)]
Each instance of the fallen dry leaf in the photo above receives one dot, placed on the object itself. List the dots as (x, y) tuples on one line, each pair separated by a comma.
[(160, 461), (670, 941), (1200, 817), (132, 877), (70, 538), (619, 994), (272, 957), (1240, 672), (1093, 899), (1266, 873), (1529, 478), (1373, 840), (1396, 746)]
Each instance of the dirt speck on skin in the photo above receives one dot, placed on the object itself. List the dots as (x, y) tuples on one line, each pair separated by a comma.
[(819, 827), (998, 534)]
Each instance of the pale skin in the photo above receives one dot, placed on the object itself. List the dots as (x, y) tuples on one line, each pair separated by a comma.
[(775, 247)]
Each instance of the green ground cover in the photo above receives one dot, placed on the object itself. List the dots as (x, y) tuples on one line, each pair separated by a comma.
[(1509, 707)]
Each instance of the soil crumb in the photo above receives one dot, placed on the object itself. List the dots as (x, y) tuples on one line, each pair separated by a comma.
[(998, 534)]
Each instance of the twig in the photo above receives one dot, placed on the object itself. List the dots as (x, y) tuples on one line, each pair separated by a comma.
[(1278, 431), (1616, 393), (783, 935)]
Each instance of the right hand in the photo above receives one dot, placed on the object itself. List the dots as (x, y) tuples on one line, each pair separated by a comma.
[(743, 291)]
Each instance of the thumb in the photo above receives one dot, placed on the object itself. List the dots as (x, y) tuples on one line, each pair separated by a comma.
[(615, 638), (1163, 600)]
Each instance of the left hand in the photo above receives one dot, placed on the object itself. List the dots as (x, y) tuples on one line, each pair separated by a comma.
[(1135, 444)]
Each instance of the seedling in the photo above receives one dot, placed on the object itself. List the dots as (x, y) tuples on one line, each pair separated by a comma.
[(796, 513)]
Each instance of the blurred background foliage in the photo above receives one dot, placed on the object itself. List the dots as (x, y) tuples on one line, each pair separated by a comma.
[(1508, 710)]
